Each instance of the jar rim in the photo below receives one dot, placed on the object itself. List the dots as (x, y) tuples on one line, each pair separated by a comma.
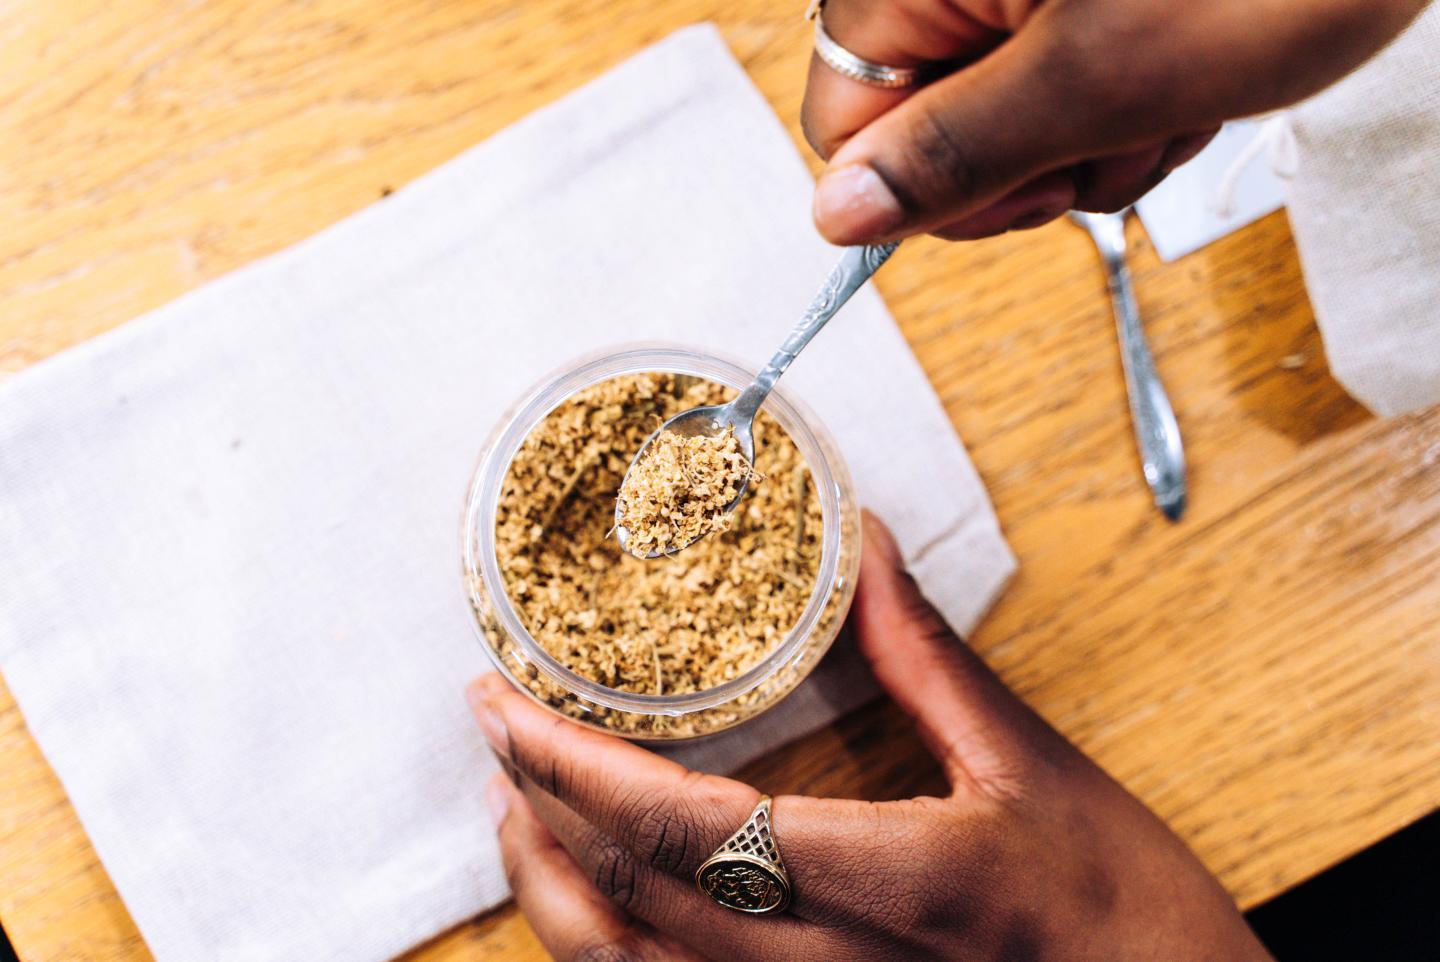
[(482, 567)]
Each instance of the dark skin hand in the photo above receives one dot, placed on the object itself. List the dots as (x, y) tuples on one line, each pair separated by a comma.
[(1083, 104), (1035, 854)]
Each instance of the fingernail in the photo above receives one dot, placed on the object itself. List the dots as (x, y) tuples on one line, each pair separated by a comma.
[(854, 204), (497, 798), (491, 724)]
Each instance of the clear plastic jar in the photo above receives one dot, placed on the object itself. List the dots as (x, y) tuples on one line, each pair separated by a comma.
[(647, 716)]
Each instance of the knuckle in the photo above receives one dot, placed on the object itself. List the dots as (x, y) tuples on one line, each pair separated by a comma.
[(663, 830), (616, 874), (667, 845)]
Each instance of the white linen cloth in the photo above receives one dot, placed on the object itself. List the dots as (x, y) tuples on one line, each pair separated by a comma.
[(230, 603), (1364, 203)]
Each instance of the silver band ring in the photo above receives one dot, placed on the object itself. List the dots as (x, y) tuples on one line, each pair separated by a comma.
[(746, 873), (847, 64)]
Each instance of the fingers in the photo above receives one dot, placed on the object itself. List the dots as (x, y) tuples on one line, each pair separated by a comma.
[(1036, 203), (898, 35), (983, 735), (1078, 81), (571, 917), (907, 34), (670, 817), (836, 853), (952, 148), (639, 825), (1105, 184), (622, 877), (670, 904), (835, 107), (1108, 184), (818, 838)]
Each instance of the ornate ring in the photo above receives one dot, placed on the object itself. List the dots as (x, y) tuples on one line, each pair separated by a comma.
[(847, 64), (746, 874)]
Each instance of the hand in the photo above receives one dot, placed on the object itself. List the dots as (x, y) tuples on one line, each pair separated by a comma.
[(1035, 854), (1071, 103)]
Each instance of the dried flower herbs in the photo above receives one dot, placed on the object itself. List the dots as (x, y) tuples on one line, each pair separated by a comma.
[(670, 625)]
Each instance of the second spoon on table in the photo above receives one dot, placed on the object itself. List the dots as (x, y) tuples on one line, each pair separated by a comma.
[(1162, 454)]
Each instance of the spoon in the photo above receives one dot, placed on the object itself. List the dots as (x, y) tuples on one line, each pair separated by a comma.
[(1162, 455), (854, 269)]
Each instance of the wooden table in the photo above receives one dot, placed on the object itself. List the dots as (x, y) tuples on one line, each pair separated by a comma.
[(1265, 674)]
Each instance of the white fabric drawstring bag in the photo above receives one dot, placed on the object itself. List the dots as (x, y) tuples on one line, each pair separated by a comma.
[(1364, 202)]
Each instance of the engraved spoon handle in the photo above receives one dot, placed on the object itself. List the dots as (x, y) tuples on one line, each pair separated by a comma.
[(854, 269), (1157, 434)]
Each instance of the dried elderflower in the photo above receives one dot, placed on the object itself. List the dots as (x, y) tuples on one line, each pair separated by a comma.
[(694, 620), (679, 491)]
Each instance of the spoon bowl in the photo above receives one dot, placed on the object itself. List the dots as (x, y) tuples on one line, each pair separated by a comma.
[(702, 422), (854, 269)]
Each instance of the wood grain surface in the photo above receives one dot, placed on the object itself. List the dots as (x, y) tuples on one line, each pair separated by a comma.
[(1265, 674)]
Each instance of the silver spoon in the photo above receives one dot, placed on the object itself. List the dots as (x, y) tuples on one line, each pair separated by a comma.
[(1162, 455), (854, 269)]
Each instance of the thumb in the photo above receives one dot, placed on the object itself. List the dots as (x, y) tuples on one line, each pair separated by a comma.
[(965, 142), (983, 735)]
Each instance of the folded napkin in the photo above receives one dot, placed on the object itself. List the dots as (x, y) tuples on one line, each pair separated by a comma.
[(1364, 202), (230, 599)]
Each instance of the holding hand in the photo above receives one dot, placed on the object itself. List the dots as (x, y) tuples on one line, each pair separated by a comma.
[(1048, 106), (1035, 854)]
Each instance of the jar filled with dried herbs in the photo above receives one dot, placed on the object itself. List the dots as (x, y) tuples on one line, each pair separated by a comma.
[(672, 647)]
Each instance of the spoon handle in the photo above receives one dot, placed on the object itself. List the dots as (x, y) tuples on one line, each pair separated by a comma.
[(1162, 455), (854, 269)]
